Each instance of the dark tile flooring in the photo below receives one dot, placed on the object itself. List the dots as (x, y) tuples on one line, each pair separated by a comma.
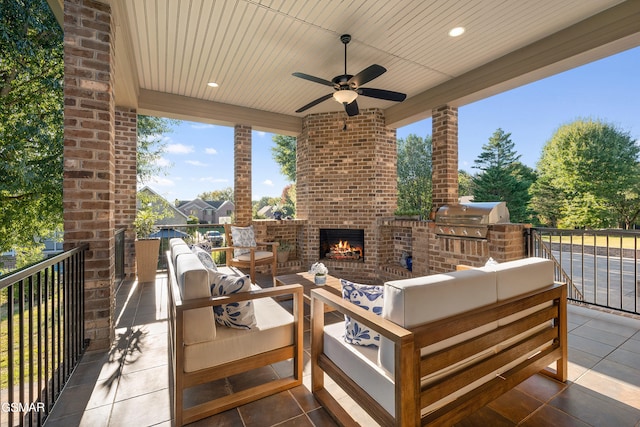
[(129, 384)]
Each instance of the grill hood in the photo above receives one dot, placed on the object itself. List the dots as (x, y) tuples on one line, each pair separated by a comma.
[(470, 219)]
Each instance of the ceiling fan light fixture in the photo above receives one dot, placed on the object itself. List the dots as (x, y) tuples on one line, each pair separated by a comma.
[(345, 96)]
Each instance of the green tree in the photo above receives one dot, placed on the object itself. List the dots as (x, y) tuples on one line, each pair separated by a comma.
[(503, 177), (31, 122), (465, 183), (259, 204), (414, 174), (224, 194), (284, 153), (151, 145), (287, 203), (592, 168)]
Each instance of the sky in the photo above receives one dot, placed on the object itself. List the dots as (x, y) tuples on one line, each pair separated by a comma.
[(199, 157)]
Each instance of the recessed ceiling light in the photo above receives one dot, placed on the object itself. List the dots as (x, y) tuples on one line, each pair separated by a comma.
[(212, 84), (457, 31)]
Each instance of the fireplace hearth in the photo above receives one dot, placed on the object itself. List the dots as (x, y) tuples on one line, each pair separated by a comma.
[(341, 244)]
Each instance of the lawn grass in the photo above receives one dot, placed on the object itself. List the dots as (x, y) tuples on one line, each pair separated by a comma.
[(4, 339), (614, 242)]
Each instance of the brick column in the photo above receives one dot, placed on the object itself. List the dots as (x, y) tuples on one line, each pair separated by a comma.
[(89, 173), (242, 174), (126, 139), (445, 156)]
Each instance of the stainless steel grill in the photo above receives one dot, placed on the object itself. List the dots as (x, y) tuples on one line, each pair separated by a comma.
[(471, 219)]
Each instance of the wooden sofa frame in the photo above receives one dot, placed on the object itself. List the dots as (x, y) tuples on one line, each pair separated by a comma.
[(410, 366), (184, 380)]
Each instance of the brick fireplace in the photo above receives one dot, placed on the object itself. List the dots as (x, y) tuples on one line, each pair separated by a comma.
[(346, 180)]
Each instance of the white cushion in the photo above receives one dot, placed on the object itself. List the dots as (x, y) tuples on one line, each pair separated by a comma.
[(234, 315), (193, 282), (368, 298), (412, 302), (179, 248), (258, 256), (360, 364), (274, 329), (242, 236), (519, 277)]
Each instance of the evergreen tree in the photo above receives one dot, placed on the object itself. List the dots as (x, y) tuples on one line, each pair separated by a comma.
[(503, 177)]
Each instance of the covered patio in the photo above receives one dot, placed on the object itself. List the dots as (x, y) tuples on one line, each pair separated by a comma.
[(127, 58), (129, 384)]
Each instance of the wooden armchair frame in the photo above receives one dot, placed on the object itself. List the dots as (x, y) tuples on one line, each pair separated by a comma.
[(252, 263), (183, 380), (410, 366)]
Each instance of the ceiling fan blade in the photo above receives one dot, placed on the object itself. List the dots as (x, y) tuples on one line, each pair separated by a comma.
[(314, 79), (352, 109), (314, 103), (382, 94), (366, 75)]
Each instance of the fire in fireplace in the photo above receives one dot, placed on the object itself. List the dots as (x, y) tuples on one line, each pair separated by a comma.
[(342, 244)]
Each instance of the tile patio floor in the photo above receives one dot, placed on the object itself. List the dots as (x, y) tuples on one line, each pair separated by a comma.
[(129, 385)]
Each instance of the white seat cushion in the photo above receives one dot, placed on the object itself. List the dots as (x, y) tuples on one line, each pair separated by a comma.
[(274, 329), (259, 255), (360, 363)]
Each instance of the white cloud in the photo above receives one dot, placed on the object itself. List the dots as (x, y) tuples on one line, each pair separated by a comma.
[(161, 182), (211, 151), (162, 162), (179, 149), (202, 126), (196, 163), (268, 182), (261, 134)]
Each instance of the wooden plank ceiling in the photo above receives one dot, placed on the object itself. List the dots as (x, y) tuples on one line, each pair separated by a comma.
[(250, 48)]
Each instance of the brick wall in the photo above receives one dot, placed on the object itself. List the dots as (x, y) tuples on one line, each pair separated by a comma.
[(126, 136), (445, 155), (242, 174), (89, 174), (346, 179)]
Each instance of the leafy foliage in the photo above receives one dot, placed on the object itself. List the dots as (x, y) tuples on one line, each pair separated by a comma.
[(151, 146), (414, 174), (224, 194), (284, 153), (503, 177), (465, 183), (31, 122), (589, 169)]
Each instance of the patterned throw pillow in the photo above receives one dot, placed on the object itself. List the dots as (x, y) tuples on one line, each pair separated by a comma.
[(205, 258), (369, 298), (238, 315), (242, 236)]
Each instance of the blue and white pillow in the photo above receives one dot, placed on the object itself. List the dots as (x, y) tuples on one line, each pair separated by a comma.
[(369, 298), (205, 258), (242, 236), (239, 315)]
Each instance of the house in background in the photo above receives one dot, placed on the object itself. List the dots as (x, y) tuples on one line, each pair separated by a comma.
[(208, 212), (172, 216)]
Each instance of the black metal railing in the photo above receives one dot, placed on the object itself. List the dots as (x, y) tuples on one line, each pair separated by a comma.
[(41, 335), (600, 266), (119, 255), (192, 234)]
